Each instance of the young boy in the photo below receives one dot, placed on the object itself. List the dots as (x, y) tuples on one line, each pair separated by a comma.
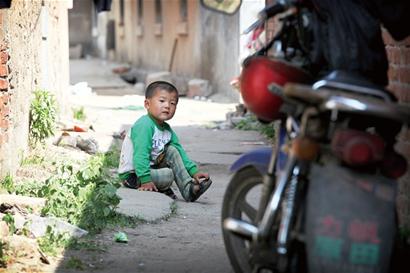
[(151, 155)]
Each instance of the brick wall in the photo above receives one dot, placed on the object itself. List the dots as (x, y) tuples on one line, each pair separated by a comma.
[(399, 83), (4, 87)]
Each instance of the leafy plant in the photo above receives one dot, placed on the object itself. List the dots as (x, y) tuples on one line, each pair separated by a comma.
[(85, 196), (9, 219), (4, 258), (43, 115), (52, 241), (7, 183), (79, 113), (112, 157)]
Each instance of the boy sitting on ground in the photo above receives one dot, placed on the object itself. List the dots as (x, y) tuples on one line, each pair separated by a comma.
[(151, 155)]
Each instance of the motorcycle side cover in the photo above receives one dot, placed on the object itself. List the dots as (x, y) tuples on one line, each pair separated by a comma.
[(350, 221)]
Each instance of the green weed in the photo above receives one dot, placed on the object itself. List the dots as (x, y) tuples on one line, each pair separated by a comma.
[(32, 160), (4, 258), (252, 123), (79, 113), (52, 241), (112, 158), (43, 115), (75, 263), (7, 183), (84, 196), (9, 219), (86, 243)]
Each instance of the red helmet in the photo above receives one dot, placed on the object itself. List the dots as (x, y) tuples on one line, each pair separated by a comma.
[(258, 73)]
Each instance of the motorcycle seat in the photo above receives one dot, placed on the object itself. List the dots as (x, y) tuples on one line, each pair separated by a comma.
[(351, 82)]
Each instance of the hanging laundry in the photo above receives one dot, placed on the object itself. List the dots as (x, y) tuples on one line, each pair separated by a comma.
[(102, 5)]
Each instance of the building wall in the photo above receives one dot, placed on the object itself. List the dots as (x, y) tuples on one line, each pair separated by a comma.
[(150, 44), (80, 25), (203, 46), (218, 48), (34, 54)]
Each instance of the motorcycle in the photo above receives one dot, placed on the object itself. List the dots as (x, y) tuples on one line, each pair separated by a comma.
[(323, 199)]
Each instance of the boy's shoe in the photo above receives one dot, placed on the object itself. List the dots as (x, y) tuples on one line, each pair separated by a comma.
[(132, 182), (203, 187)]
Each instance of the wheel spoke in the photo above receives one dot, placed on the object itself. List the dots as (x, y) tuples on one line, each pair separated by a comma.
[(246, 208)]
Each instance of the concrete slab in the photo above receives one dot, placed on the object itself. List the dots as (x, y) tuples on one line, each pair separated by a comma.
[(150, 206)]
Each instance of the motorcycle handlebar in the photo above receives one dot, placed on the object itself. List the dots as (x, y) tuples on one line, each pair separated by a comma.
[(272, 10), (327, 99)]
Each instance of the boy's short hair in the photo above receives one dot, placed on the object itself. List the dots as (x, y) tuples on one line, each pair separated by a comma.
[(163, 85)]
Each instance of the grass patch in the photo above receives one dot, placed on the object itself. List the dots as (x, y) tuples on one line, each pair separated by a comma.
[(250, 122), (34, 159), (79, 113), (75, 263), (86, 243)]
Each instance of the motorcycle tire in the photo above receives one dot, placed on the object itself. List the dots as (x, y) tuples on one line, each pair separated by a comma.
[(236, 205)]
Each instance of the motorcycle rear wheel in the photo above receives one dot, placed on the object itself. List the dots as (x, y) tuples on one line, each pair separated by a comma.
[(241, 202)]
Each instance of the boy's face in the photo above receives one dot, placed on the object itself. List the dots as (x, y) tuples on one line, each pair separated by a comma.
[(162, 105)]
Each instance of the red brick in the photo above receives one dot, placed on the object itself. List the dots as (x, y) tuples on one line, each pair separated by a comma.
[(4, 111), (4, 123), (404, 74), (4, 98), (4, 57), (393, 73), (4, 84), (4, 71), (404, 93), (405, 55), (394, 54)]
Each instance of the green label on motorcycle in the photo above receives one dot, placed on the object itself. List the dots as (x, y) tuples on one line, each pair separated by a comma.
[(365, 254), (328, 247)]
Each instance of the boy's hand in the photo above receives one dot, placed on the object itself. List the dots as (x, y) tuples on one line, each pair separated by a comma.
[(150, 186), (199, 176)]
